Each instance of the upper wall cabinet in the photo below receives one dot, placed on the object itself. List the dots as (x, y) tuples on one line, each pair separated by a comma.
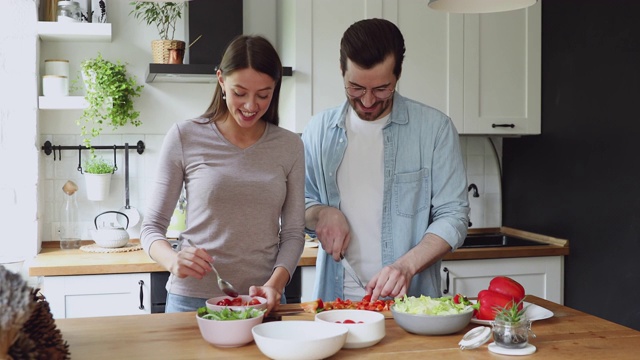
[(481, 70)]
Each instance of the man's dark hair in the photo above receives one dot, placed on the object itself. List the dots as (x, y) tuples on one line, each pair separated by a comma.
[(368, 43)]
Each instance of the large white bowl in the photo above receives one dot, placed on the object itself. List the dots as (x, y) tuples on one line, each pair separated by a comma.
[(212, 303), (432, 324), (368, 330), (228, 333), (299, 339)]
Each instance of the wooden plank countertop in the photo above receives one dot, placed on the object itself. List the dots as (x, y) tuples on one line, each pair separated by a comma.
[(569, 334), (52, 261)]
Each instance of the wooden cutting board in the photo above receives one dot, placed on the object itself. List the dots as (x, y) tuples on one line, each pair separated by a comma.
[(296, 310)]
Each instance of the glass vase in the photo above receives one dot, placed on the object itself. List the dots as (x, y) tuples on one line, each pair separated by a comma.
[(512, 335)]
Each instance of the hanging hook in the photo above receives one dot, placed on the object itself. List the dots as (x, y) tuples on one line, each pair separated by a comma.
[(59, 153), (115, 166), (80, 159)]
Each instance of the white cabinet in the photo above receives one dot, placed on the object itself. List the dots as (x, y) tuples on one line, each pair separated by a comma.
[(540, 276), (60, 31), (98, 295), (483, 70), (502, 72), (308, 280)]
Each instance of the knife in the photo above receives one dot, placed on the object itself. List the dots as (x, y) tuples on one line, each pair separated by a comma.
[(350, 271)]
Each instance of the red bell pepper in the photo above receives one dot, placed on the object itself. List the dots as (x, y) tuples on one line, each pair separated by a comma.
[(508, 287), (489, 300)]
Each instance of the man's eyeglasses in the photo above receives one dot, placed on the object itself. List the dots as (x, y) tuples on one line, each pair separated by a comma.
[(380, 93)]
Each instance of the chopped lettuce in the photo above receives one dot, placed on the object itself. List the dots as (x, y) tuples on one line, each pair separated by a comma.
[(228, 314), (426, 305)]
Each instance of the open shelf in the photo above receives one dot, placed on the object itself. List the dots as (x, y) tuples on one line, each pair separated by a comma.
[(56, 31), (61, 102)]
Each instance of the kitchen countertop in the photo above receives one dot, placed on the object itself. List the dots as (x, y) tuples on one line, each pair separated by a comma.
[(569, 334), (52, 261)]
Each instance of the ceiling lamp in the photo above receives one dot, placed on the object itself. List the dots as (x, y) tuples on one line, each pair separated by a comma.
[(479, 6)]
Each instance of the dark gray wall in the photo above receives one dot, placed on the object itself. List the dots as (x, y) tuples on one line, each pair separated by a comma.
[(580, 179)]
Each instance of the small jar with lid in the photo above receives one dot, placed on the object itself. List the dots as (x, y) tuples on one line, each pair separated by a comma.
[(69, 11)]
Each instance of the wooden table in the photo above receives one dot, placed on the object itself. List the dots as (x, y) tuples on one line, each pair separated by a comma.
[(569, 334)]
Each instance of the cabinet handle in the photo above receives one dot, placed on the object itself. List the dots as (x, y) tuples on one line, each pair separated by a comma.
[(141, 307), (503, 125), (446, 290)]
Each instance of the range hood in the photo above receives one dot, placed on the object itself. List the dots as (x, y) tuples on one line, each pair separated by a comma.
[(214, 24)]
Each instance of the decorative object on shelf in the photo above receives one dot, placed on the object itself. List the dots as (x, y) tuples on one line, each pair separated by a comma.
[(48, 10), (109, 93), (479, 6), (164, 16), (69, 11), (97, 176), (99, 11), (86, 14), (55, 85)]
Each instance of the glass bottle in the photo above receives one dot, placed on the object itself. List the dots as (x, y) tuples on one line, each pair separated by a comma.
[(69, 225), (69, 11)]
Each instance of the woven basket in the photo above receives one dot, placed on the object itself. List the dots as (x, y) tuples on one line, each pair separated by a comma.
[(160, 49)]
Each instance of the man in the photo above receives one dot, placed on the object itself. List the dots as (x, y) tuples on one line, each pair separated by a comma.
[(385, 182)]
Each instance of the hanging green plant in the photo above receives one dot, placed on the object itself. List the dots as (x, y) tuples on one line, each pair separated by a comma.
[(109, 94)]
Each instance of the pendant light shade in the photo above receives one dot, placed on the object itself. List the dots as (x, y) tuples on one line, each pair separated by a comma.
[(479, 6)]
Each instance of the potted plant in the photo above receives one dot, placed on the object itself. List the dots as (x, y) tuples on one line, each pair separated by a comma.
[(511, 327), (164, 16), (97, 175), (109, 93)]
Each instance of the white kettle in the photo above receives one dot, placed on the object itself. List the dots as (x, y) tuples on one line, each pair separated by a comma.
[(111, 236)]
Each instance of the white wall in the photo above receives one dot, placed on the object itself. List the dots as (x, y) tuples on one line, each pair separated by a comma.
[(161, 104), (18, 131)]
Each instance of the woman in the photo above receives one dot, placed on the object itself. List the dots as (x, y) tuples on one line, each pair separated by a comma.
[(244, 180)]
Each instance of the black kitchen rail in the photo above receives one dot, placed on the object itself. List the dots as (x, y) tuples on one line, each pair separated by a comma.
[(49, 148)]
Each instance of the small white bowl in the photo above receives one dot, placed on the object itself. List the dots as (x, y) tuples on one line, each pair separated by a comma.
[(368, 330), (299, 339), (432, 324), (228, 333), (212, 303)]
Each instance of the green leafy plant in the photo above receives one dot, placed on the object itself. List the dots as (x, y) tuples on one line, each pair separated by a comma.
[(511, 312), (109, 94), (97, 165), (163, 15)]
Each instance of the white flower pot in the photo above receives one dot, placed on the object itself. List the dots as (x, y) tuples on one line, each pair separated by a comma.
[(98, 186)]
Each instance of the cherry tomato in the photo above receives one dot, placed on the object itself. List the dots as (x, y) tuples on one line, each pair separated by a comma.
[(348, 321), (254, 301)]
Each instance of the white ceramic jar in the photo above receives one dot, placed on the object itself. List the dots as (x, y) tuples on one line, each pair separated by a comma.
[(55, 85), (56, 67)]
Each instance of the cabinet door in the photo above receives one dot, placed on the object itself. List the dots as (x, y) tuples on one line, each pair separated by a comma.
[(540, 276), (432, 68), (98, 295), (502, 72)]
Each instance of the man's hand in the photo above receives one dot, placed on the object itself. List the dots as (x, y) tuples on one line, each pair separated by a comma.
[(392, 281), (332, 230)]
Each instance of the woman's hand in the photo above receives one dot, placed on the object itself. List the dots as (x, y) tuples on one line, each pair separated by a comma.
[(191, 261), (270, 293)]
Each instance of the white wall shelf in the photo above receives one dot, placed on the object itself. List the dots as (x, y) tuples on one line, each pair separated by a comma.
[(55, 31), (61, 103)]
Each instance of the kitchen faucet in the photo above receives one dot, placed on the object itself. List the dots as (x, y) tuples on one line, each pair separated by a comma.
[(475, 194), (475, 190)]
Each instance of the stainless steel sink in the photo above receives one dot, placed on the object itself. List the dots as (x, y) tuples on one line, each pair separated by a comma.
[(497, 240)]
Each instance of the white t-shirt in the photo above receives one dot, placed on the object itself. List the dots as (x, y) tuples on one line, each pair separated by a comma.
[(361, 182)]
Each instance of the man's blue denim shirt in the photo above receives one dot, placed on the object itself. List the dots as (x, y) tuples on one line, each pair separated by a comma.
[(425, 186)]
